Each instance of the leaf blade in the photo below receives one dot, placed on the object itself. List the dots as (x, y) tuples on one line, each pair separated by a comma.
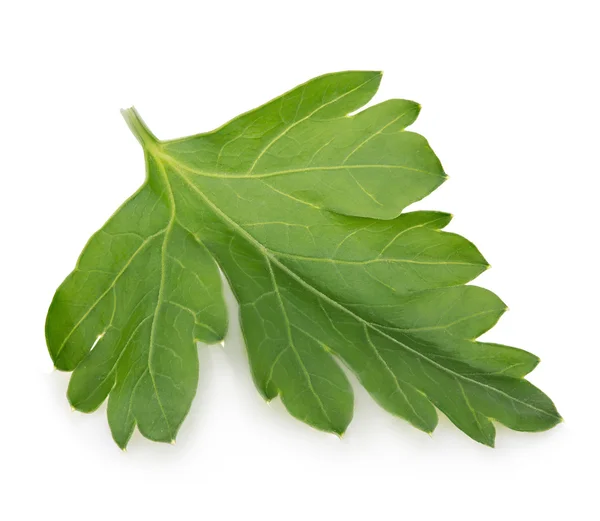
[(299, 204)]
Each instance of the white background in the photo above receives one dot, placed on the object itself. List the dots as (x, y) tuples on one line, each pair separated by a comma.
[(510, 104)]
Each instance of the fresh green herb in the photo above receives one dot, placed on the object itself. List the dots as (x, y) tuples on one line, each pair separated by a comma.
[(300, 206)]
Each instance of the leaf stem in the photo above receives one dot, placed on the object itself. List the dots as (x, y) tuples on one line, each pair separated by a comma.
[(136, 124)]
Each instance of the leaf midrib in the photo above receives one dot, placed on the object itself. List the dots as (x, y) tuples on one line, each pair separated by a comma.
[(267, 253), (160, 297), (390, 260), (276, 173), (293, 346)]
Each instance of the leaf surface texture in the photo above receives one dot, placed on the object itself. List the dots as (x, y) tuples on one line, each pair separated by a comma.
[(301, 207)]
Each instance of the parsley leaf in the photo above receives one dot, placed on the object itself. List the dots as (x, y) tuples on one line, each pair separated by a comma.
[(300, 206)]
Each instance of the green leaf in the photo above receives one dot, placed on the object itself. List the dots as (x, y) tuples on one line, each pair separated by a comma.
[(300, 206)]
